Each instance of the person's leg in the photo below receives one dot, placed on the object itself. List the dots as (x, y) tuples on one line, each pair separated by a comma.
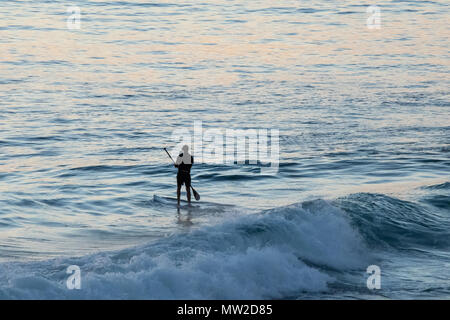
[(178, 190), (187, 183), (188, 192)]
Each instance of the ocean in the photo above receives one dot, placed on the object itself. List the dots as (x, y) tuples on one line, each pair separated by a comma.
[(358, 95)]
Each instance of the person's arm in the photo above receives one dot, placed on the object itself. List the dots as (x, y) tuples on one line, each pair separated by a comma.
[(179, 160)]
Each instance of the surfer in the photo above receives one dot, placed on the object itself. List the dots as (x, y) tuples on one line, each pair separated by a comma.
[(184, 163)]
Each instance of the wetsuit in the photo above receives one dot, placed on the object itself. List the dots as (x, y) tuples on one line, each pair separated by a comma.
[(184, 172)]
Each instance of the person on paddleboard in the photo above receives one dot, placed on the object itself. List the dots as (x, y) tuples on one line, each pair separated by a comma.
[(184, 164)]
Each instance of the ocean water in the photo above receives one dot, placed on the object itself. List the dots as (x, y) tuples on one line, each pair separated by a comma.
[(364, 141)]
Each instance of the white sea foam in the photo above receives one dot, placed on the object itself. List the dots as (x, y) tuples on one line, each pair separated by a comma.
[(274, 254)]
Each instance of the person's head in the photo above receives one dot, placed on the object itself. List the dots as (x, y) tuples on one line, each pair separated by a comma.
[(185, 148)]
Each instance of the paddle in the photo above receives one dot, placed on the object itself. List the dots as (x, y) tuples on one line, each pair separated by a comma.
[(196, 195)]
